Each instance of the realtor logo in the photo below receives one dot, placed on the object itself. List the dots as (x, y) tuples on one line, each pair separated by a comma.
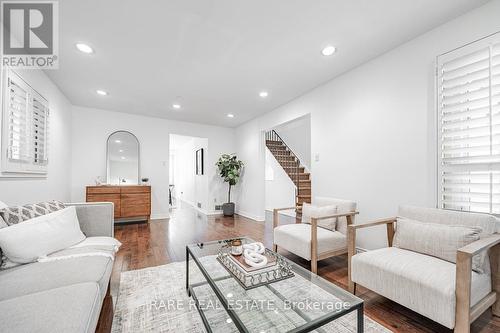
[(30, 34)]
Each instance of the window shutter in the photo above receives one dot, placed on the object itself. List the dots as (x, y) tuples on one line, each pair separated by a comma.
[(495, 108), (25, 127), (17, 120), (469, 127), (40, 117)]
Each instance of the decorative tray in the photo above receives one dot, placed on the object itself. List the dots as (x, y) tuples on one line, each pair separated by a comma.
[(240, 260), (249, 277)]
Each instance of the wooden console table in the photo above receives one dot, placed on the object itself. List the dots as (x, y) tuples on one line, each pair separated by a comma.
[(132, 202)]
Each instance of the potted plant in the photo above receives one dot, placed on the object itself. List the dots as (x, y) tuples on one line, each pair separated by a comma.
[(229, 169)]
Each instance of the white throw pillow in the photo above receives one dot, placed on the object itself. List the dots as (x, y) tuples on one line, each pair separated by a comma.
[(309, 211), (100, 242), (437, 240), (26, 242)]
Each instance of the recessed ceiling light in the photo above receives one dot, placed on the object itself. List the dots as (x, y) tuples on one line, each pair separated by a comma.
[(121, 150), (328, 50), (230, 115), (263, 94), (176, 106), (118, 141), (84, 48), (101, 92), (123, 157)]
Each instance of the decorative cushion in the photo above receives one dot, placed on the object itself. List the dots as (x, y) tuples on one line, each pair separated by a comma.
[(18, 214), (437, 240), (343, 206), (40, 236), (296, 238), (2, 222), (2, 225), (309, 211), (420, 282), (489, 223)]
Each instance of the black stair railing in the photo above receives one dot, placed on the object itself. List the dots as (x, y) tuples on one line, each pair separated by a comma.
[(292, 167)]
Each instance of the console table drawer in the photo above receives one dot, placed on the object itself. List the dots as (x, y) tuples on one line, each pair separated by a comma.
[(103, 190), (130, 201), (135, 199), (114, 198), (135, 189)]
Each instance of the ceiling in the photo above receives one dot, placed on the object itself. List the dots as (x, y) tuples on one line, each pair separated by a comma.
[(213, 57)]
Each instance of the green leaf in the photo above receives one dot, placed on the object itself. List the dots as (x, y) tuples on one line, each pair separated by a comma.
[(229, 168)]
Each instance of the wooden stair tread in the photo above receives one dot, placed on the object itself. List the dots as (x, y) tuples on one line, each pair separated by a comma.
[(288, 162)]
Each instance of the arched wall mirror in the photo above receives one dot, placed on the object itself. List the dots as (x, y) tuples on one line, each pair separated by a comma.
[(122, 159)]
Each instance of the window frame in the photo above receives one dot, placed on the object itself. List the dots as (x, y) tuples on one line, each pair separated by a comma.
[(19, 169), (486, 167)]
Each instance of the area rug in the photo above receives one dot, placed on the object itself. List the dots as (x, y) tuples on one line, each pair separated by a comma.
[(155, 300)]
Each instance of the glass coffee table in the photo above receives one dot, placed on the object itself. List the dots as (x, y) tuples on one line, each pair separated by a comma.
[(302, 303)]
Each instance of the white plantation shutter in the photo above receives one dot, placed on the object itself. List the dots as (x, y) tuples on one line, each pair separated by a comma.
[(25, 127), (17, 120), (469, 127), (39, 131)]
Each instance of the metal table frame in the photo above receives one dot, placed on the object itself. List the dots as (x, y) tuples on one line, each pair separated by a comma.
[(308, 327)]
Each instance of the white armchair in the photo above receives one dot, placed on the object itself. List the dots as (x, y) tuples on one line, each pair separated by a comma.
[(451, 291), (311, 241)]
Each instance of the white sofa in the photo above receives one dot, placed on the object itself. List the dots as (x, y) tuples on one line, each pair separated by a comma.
[(311, 242), (451, 294), (62, 295)]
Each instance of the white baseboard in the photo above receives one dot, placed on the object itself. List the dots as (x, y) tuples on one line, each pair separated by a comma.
[(160, 216), (251, 216), (214, 213), (289, 212), (204, 212)]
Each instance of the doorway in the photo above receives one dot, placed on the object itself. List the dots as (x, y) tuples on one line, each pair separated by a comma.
[(188, 182), (287, 166)]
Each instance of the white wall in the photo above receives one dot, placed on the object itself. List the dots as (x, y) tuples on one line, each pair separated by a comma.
[(55, 186), (280, 190), (189, 186), (373, 127), (297, 136), (91, 128), (249, 193)]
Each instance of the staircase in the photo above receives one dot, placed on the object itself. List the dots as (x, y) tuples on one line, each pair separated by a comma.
[(292, 166)]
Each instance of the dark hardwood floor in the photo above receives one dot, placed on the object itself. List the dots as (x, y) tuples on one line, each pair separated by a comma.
[(163, 241)]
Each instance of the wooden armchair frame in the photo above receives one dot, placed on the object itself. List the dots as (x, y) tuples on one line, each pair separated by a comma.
[(464, 313), (314, 236)]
